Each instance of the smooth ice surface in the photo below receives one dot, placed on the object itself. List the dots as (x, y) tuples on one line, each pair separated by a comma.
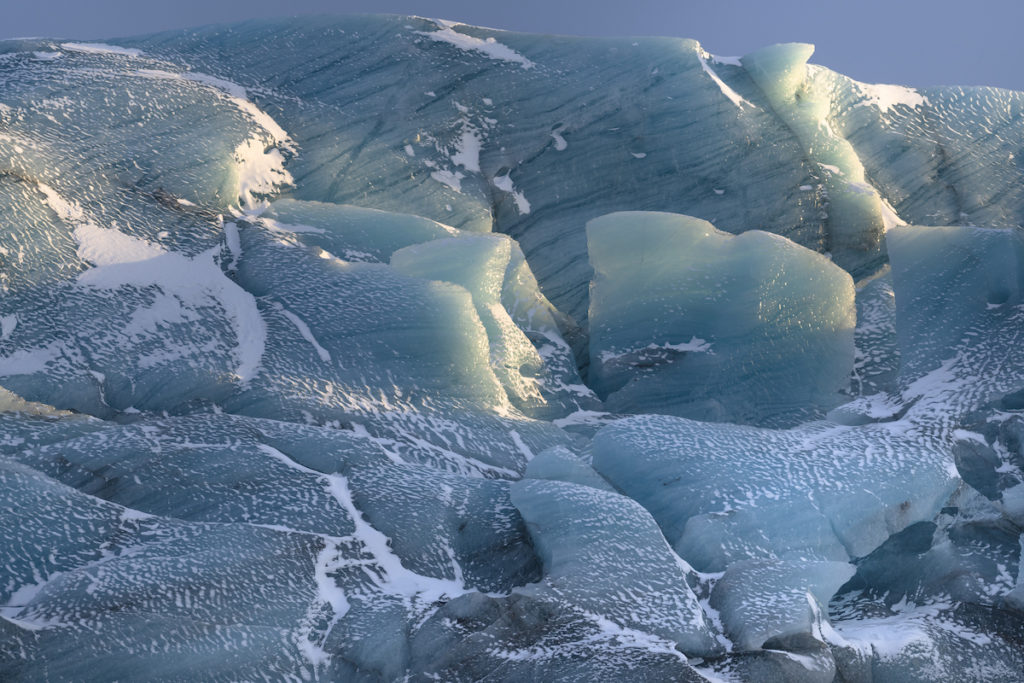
[(481, 264), (855, 213), (692, 321)]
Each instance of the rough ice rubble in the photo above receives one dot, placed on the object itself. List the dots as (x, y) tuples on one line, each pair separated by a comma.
[(402, 431)]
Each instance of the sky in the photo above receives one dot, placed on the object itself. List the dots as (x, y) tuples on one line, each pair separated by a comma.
[(911, 42)]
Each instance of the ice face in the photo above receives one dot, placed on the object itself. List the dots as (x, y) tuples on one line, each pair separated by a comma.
[(979, 273), (855, 220), (389, 348), (680, 314)]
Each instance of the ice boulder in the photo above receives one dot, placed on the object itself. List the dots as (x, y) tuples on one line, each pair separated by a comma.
[(691, 321), (762, 601), (639, 585)]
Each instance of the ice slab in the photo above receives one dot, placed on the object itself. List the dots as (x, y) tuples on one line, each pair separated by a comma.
[(540, 386), (681, 314), (851, 487), (761, 601), (640, 585)]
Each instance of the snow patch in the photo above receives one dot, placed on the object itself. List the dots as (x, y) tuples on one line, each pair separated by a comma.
[(102, 49), (505, 184), (96, 245), (695, 345), (261, 173), (123, 260), (733, 96), (890, 219), (586, 417), (560, 143), (234, 243), (489, 47), (887, 97), (452, 179), (467, 150)]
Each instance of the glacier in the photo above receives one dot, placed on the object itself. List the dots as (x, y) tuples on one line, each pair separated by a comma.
[(390, 348)]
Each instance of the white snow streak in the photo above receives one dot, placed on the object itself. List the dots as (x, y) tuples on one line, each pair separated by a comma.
[(886, 97), (120, 260), (102, 49), (489, 47), (733, 96)]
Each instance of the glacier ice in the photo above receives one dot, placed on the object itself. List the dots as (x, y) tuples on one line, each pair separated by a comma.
[(580, 534), (855, 220), (392, 348), (765, 600), (679, 311)]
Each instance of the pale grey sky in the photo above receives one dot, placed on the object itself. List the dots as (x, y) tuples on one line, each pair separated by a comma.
[(912, 42)]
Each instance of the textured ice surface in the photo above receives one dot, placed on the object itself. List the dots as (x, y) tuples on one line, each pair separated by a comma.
[(723, 493), (603, 555), (761, 600), (311, 368)]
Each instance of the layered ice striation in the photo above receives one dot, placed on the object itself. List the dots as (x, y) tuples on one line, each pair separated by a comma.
[(392, 348)]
